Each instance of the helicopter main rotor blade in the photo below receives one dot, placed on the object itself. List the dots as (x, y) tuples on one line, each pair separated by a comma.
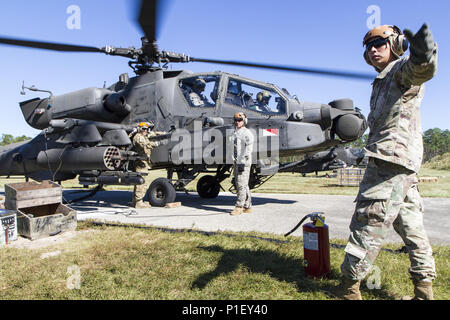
[(324, 72), (48, 45), (147, 18)]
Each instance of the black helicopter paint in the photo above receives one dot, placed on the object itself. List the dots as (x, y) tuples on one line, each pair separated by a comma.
[(86, 133)]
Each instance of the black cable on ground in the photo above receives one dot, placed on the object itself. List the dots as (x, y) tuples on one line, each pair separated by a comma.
[(91, 194)]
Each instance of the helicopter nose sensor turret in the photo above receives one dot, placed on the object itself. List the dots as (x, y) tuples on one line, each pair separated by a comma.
[(350, 125), (337, 117)]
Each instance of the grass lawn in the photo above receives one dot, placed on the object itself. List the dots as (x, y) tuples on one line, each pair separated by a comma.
[(145, 263)]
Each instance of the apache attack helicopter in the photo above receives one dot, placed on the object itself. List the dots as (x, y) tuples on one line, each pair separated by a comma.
[(86, 133)]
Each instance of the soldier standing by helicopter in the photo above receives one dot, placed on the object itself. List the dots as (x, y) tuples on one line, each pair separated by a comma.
[(242, 157), (143, 146), (388, 195)]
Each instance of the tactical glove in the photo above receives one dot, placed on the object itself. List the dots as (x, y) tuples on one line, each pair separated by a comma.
[(421, 44)]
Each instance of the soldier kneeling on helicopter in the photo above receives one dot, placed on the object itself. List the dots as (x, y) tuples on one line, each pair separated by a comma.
[(242, 157), (143, 146)]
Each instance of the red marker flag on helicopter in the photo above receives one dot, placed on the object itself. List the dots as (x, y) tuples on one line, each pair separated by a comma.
[(270, 132)]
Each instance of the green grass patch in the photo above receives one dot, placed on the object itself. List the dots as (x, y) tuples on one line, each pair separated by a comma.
[(296, 183), (146, 263)]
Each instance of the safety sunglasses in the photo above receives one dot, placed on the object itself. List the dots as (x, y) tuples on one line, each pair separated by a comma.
[(238, 120), (378, 43)]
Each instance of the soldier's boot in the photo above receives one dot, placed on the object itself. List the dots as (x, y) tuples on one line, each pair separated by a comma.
[(348, 289), (142, 205), (423, 290), (237, 211), (247, 210)]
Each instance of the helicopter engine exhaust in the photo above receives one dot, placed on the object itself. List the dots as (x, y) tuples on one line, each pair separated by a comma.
[(79, 159), (116, 103)]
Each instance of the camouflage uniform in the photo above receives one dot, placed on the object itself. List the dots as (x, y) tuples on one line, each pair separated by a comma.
[(143, 146), (388, 195), (242, 157)]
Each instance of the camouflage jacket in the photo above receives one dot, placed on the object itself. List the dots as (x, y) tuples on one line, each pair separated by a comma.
[(143, 146), (394, 119), (242, 146)]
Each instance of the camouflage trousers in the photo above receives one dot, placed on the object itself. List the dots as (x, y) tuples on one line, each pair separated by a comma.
[(388, 196), (241, 180), (141, 189)]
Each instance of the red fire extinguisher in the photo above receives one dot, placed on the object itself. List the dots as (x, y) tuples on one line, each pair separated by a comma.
[(316, 245)]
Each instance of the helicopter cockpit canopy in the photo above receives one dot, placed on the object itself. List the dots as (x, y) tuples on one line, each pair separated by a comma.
[(254, 98), (200, 91)]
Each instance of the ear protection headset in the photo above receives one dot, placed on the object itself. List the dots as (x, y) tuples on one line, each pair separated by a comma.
[(397, 40), (399, 43), (241, 115)]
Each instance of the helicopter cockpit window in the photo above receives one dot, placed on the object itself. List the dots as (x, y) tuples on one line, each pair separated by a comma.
[(252, 97), (200, 91)]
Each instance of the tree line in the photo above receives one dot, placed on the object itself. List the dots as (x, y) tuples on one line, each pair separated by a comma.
[(435, 143), (9, 138)]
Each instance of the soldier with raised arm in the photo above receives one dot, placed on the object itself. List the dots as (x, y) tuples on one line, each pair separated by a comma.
[(388, 194)]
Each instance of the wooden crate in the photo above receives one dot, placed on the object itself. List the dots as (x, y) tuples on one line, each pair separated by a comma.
[(350, 177), (428, 179), (40, 212), (29, 194), (46, 220)]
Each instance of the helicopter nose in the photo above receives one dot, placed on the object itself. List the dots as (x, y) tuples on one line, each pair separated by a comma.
[(302, 135)]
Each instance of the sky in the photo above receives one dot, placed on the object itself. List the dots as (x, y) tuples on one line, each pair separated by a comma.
[(318, 34)]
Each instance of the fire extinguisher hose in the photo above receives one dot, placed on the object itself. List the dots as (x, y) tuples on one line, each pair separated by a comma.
[(298, 225)]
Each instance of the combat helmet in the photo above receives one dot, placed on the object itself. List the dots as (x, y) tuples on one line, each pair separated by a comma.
[(145, 125), (393, 34), (263, 95)]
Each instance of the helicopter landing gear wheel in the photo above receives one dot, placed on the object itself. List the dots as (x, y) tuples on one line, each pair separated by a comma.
[(208, 187), (161, 192)]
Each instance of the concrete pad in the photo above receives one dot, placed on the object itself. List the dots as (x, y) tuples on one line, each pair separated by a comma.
[(272, 213)]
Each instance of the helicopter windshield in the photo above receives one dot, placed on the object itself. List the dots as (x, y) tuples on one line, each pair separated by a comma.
[(200, 91), (252, 97)]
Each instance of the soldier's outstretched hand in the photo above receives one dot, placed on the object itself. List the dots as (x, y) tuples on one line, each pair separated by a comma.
[(421, 44)]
